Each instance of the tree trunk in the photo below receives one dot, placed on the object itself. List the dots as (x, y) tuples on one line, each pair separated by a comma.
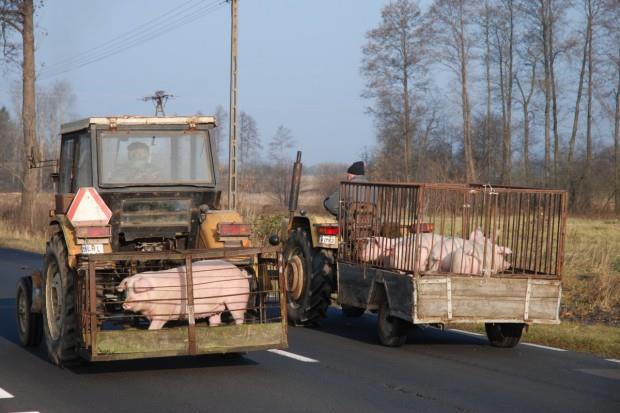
[(29, 176), (617, 141), (556, 133), (573, 135), (508, 126), (406, 109), (470, 165), (587, 196), (487, 63), (547, 91)]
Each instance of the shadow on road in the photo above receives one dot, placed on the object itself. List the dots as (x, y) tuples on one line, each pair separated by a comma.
[(364, 329), (167, 363)]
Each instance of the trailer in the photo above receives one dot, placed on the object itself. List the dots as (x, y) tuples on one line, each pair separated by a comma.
[(409, 252)]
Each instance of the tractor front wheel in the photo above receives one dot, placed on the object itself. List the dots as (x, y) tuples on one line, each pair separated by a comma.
[(59, 313), (29, 324), (308, 284)]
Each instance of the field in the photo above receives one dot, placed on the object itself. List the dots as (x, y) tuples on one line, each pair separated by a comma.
[(591, 283)]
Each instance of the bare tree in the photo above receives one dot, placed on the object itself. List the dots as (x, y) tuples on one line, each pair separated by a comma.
[(450, 21), (280, 159), (531, 60), (249, 151), (17, 19), (503, 35), (393, 66)]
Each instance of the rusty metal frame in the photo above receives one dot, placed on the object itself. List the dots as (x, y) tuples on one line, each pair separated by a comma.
[(89, 322), (531, 221)]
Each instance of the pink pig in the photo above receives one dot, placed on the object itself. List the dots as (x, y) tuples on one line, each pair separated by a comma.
[(474, 259), (161, 296)]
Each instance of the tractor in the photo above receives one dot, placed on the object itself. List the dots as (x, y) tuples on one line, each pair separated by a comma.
[(133, 195)]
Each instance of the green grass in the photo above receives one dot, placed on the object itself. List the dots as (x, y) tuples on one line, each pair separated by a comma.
[(596, 339)]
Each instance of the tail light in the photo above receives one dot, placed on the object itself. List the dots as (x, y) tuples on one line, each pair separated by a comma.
[(234, 230), (330, 230), (93, 232)]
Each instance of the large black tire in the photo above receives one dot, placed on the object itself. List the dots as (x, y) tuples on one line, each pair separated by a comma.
[(29, 324), (392, 330), (350, 311), (308, 280), (59, 313), (505, 335)]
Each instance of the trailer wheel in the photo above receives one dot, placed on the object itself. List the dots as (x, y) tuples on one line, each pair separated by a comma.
[(308, 287), (505, 335), (392, 330), (29, 324), (59, 318), (350, 311)]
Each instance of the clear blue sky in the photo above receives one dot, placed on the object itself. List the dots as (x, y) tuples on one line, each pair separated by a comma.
[(298, 63)]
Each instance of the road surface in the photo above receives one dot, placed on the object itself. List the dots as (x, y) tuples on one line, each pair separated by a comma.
[(339, 367)]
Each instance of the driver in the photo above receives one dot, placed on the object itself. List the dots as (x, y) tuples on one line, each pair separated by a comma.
[(139, 167)]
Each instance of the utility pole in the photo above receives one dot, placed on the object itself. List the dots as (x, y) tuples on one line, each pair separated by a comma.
[(232, 142), (159, 100)]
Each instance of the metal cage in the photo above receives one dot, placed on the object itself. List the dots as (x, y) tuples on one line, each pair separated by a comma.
[(109, 333), (410, 223)]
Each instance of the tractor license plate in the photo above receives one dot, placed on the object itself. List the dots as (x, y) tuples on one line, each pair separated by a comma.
[(327, 239), (92, 249)]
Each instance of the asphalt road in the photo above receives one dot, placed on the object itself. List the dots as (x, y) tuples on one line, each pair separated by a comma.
[(434, 371)]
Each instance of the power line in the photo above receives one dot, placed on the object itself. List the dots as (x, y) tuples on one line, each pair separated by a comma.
[(189, 16), (118, 39)]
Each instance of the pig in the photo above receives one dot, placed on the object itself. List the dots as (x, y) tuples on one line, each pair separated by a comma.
[(375, 249), (472, 258), (398, 252), (161, 296), (441, 255)]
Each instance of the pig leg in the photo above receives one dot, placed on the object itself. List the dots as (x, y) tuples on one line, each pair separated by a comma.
[(215, 320), (157, 324), (238, 315)]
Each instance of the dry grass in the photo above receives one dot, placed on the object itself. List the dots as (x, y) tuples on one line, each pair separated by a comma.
[(597, 339), (11, 236), (592, 271)]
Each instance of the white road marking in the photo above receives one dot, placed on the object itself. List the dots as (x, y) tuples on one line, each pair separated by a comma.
[(467, 332), (5, 394), (613, 360), (545, 347), (293, 356)]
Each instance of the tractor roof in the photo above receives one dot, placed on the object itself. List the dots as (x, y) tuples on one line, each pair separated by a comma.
[(113, 121)]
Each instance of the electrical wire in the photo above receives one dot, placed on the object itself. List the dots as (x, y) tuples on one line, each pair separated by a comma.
[(142, 36)]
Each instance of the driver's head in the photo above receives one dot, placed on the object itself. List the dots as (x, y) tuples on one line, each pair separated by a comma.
[(138, 154)]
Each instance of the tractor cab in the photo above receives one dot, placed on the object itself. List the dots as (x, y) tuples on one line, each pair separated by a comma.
[(156, 175)]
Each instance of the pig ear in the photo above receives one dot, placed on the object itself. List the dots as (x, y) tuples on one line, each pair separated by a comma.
[(142, 285), (504, 250), (476, 235), (122, 286)]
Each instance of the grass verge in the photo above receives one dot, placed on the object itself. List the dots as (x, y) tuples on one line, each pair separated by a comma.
[(21, 240), (596, 339)]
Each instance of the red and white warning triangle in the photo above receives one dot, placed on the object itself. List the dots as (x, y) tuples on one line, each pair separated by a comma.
[(88, 209)]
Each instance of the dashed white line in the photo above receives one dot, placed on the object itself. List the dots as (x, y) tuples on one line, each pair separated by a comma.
[(545, 347), (613, 360), (293, 356), (5, 394), (471, 333)]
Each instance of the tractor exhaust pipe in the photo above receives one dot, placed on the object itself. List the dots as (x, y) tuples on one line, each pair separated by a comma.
[(295, 185)]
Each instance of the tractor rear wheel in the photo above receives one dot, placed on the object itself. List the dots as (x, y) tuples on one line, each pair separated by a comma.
[(505, 335), (59, 312), (29, 324), (308, 283)]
